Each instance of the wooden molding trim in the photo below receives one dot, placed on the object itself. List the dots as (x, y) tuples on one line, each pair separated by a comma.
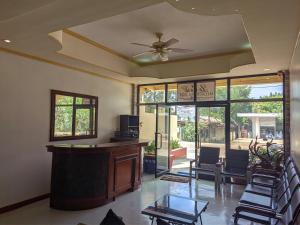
[(37, 58), (97, 45), (23, 203)]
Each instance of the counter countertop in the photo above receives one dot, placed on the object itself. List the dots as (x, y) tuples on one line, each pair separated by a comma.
[(85, 147)]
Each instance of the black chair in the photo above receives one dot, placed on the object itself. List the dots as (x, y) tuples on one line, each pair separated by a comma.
[(205, 164), (268, 180), (278, 203), (261, 189), (161, 222), (236, 164), (271, 217), (112, 219)]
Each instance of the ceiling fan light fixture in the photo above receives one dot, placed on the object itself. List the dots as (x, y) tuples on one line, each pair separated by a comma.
[(163, 57), (160, 49)]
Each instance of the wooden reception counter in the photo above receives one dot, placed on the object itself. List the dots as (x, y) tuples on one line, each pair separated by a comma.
[(87, 176)]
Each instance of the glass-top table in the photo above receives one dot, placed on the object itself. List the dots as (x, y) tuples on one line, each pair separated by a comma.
[(176, 209)]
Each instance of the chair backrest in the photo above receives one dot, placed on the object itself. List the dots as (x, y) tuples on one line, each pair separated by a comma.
[(290, 174), (237, 160), (295, 203), (287, 217), (294, 184), (291, 211), (283, 202), (287, 166), (209, 155), (288, 161), (285, 195)]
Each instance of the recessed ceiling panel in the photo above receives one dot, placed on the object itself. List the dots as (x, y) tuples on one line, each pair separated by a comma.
[(204, 35)]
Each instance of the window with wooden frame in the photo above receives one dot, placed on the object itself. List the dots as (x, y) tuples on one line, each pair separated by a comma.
[(73, 116)]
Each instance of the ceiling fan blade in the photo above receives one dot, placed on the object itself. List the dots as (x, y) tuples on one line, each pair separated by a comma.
[(179, 50), (143, 53), (170, 42), (139, 44)]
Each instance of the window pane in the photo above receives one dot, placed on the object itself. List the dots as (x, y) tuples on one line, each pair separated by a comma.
[(260, 87), (82, 101), (63, 100), (257, 119), (152, 93), (221, 90), (206, 91), (181, 92), (63, 121), (82, 126), (172, 92)]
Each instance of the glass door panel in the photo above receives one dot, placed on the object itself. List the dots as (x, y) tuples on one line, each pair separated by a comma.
[(162, 140), (211, 128), (182, 138)]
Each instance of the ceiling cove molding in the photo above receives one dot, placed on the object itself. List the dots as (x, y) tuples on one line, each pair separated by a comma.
[(202, 66), (92, 64), (86, 52), (40, 59), (89, 52)]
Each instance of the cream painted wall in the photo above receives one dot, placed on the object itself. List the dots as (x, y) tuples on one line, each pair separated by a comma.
[(295, 103), (148, 120), (24, 120)]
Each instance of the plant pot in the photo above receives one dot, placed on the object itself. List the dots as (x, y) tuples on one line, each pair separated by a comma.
[(149, 164), (179, 152)]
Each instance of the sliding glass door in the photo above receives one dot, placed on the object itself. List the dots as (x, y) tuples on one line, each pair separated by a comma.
[(162, 140), (211, 127)]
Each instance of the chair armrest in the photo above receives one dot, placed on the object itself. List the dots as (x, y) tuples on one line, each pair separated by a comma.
[(257, 210), (271, 172), (192, 161), (263, 176)]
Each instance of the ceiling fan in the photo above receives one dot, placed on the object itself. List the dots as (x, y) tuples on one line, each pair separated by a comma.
[(160, 49)]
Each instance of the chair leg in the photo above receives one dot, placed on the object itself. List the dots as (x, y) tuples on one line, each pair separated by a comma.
[(201, 220), (236, 218)]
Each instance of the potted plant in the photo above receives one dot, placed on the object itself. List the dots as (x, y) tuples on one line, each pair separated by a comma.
[(269, 156)]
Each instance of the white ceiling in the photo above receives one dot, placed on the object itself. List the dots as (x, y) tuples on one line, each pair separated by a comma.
[(272, 27), (205, 35)]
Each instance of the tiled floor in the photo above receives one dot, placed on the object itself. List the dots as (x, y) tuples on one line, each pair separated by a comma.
[(130, 205)]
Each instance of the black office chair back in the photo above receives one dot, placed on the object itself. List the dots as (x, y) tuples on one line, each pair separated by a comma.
[(287, 161), (295, 203), (287, 166), (209, 155), (286, 195), (237, 161), (286, 219), (294, 184), (283, 202), (282, 187), (290, 174), (291, 210)]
